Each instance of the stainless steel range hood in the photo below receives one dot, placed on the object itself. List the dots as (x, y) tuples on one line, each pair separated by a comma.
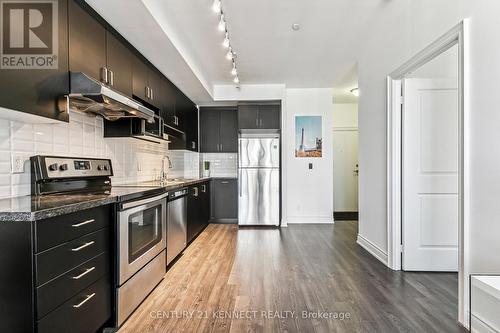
[(89, 95)]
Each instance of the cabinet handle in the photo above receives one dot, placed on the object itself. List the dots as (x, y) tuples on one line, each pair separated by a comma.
[(82, 223), (111, 78), (104, 75), (195, 194), (147, 92), (176, 120), (76, 249), (257, 122), (87, 271), (221, 147), (151, 94), (260, 122), (193, 145), (224, 182), (204, 188), (76, 306)]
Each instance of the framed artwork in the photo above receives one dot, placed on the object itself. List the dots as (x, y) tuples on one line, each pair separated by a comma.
[(308, 136)]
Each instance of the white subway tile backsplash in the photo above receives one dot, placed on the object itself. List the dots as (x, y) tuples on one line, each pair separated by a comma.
[(221, 164), (133, 160)]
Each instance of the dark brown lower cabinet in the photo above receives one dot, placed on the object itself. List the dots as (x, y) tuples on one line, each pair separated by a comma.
[(224, 200), (198, 207), (56, 287)]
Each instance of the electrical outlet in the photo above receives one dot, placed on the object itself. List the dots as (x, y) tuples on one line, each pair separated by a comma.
[(18, 162)]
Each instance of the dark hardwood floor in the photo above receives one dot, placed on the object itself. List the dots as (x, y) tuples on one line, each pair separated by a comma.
[(271, 278)]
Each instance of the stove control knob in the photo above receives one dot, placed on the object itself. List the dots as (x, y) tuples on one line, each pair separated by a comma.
[(63, 167), (106, 167), (53, 167), (99, 168)]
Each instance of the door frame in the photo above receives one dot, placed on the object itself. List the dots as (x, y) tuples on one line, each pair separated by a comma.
[(458, 35)]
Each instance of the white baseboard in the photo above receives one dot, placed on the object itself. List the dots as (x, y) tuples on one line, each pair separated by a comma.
[(373, 249), (309, 220)]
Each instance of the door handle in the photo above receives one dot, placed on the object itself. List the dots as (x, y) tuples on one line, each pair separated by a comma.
[(76, 249), (111, 78), (82, 223), (76, 306), (204, 188), (195, 194), (104, 75), (87, 271)]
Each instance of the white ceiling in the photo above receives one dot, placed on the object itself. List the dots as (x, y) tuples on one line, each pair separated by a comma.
[(181, 38)]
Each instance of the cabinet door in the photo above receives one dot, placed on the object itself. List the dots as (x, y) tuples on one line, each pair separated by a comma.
[(209, 130), (155, 86), (228, 131), (269, 117), (193, 212), (167, 95), (225, 200), (248, 116), (191, 127), (140, 73), (205, 203), (87, 42), (119, 62), (36, 91)]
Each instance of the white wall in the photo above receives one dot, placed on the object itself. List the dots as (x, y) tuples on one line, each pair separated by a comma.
[(395, 37), (309, 192), (345, 115)]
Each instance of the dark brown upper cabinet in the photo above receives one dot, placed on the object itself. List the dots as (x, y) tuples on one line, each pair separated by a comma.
[(185, 121), (218, 130), (119, 61), (87, 42), (146, 83), (37, 91), (259, 116), (97, 52)]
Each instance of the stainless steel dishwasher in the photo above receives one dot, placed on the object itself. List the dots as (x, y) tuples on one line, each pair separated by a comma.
[(176, 223)]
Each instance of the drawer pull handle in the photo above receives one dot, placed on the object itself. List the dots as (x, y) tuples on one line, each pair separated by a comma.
[(204, 188), (82, 223), (83, 246), (87, 271), (76, 306), (224, 182)]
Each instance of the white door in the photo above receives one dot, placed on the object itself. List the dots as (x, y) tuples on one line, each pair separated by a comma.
[(430, 175), (345, 170)]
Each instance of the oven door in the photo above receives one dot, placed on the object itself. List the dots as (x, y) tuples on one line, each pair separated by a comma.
[(141, 234)]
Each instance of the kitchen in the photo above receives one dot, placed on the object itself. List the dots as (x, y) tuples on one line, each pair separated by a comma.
[(167, 167), (120, 175)]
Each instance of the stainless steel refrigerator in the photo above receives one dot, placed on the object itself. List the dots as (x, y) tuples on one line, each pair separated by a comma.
[(259, 179)]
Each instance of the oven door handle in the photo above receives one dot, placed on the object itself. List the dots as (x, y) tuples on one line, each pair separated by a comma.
[(136, 203)]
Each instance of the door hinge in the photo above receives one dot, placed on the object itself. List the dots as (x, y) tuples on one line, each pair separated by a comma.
[(401, 100), (401, 248)]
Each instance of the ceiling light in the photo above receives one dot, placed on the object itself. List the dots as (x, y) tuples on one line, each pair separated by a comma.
[(216, 6), (236, 79), (355, 92), (295, 26), (229, 54), (226, 40), (222, 23), (234, 71)]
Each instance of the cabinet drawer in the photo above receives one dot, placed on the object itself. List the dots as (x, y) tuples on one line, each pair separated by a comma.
[(56, 230), (56, 292), (58, 260), (86, 312)]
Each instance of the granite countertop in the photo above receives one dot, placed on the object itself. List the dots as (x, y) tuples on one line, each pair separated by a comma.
[(32, 208)]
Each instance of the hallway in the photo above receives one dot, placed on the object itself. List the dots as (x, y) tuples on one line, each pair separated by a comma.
[(276, 278)]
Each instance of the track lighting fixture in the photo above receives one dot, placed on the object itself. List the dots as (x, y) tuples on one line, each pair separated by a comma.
[(226, 42), (222, 23), (216, 7)]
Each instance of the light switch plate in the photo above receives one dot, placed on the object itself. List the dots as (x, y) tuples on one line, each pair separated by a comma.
[(18, 162)]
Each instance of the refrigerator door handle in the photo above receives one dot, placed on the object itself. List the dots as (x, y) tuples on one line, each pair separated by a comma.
[(239, 181)]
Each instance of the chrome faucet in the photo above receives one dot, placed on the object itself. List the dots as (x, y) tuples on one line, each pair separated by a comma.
[(163, 173)]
